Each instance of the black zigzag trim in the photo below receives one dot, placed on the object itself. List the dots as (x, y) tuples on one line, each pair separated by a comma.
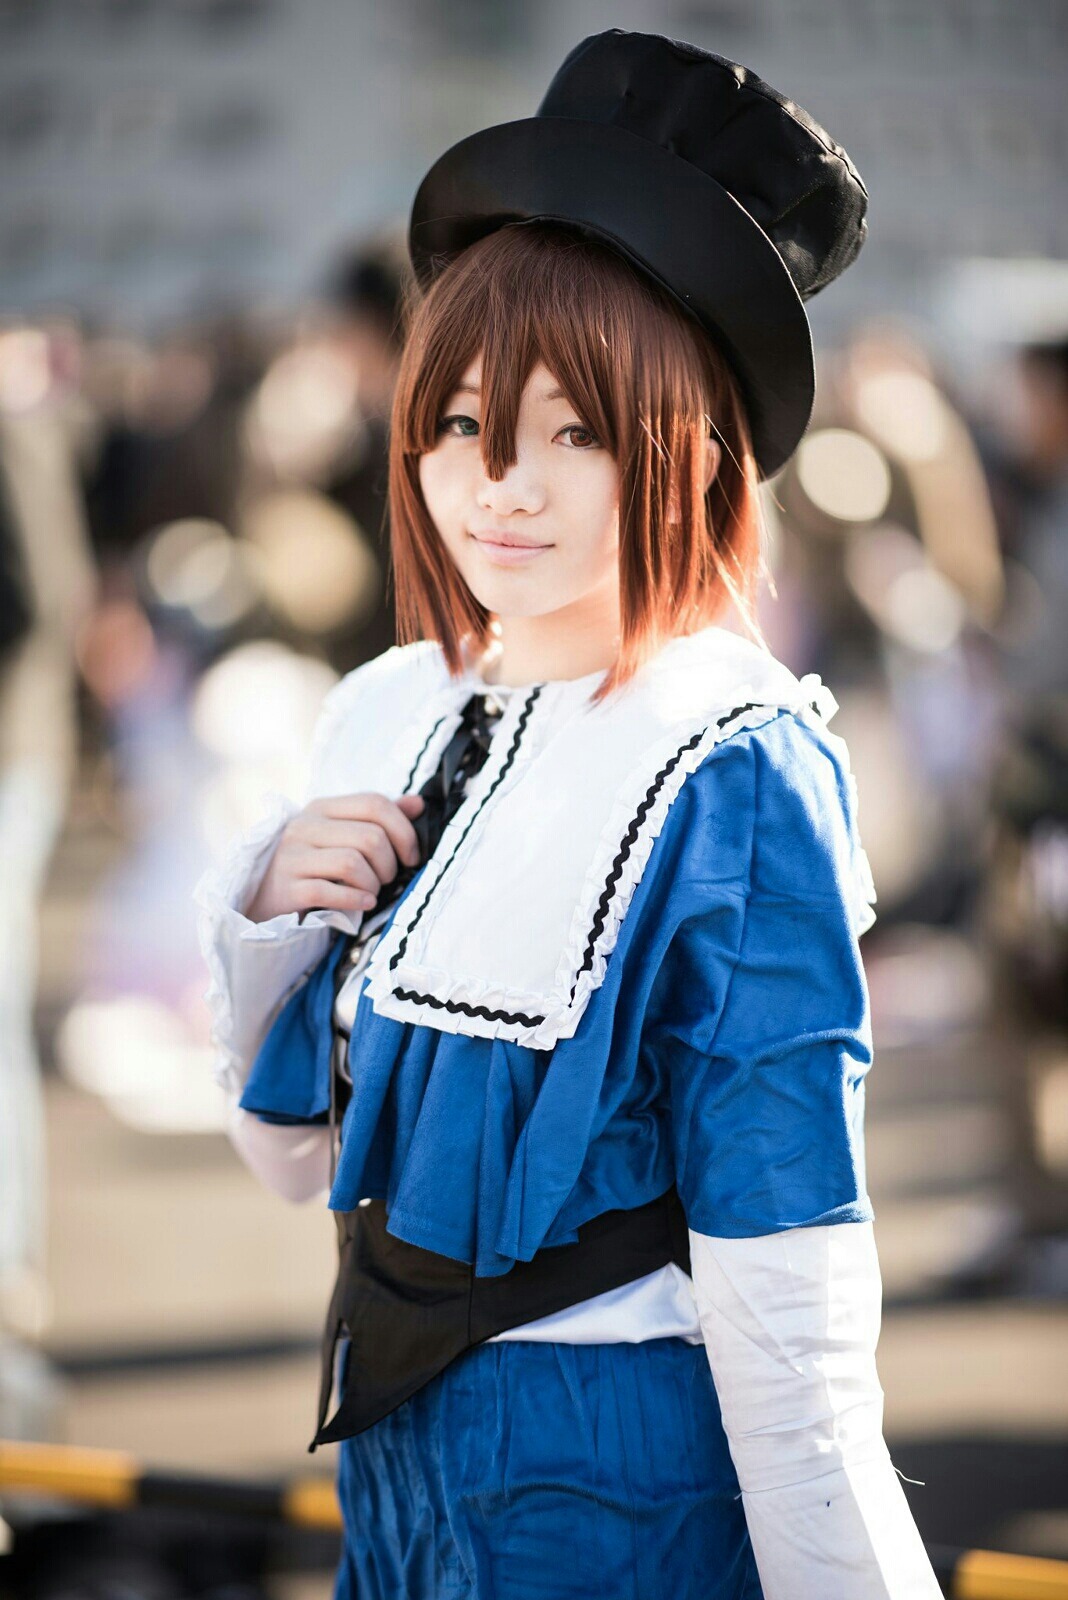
[(467, 1010), (517, 738), (410, 779), (630, 838), (601, 913)]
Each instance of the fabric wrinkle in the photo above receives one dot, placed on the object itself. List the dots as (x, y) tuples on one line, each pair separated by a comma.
[(702, 1025), (540, 1141)]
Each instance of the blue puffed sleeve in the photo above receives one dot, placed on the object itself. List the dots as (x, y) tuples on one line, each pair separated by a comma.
[(760, 1020)]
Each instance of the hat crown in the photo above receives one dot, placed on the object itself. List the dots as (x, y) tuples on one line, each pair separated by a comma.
[(772, 157)]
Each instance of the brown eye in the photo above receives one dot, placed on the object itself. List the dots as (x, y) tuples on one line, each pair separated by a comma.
[(589, 438)]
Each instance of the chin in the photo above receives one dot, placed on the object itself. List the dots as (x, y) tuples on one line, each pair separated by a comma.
[(507, 603), (511, 596)]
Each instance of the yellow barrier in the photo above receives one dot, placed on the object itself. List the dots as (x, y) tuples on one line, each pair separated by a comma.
[(98, 1477), (990, 1575), (311, 1503), (112, 1479)]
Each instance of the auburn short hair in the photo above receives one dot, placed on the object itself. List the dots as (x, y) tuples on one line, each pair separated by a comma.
[(642, 375)]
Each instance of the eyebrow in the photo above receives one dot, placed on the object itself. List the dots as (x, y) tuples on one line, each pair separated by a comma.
[(550, 394)]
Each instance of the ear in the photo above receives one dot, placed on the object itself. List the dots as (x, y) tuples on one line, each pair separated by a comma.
[(713, 457)]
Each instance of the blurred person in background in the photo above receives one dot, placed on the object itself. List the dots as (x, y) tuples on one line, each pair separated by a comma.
[(49, 590), (367, 297), (1027, 892), (313, 502), (186, 606), (891, 544), (1036, 650), (169, 416)]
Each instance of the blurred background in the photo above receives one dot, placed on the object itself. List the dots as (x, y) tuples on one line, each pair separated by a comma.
[(202, 225)]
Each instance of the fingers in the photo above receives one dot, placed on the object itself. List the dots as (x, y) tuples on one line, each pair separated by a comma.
[(327, 833), (342, 865), (386, 814), (351, 842), (365, 840), (320, 894)]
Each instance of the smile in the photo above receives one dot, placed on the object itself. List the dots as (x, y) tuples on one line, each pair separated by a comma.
[(510, 555)]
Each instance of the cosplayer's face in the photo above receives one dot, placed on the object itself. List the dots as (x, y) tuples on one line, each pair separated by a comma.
[(546, 535)]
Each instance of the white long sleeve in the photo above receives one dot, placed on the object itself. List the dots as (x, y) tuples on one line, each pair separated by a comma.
[(791, 1321), (253, 966), (293, 1161)]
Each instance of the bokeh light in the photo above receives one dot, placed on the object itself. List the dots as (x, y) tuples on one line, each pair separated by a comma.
[(844, 475)]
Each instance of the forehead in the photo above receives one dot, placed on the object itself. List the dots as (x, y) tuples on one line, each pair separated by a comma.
[(541, 385)]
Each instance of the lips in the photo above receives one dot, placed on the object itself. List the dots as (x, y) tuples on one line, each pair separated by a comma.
[(509, 555), (507, 541)]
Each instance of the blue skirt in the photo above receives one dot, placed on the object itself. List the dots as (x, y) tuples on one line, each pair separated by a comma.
[(546, 1471)]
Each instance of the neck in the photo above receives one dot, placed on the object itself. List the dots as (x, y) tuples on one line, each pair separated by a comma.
[(570, 643)]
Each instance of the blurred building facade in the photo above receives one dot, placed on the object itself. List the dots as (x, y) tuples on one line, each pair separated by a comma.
[(165, 157)]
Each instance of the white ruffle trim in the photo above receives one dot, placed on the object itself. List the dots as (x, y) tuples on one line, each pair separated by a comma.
[(817, 694), (864, 912), (415, 993), (632, 867), (813, 698), (863, 883)]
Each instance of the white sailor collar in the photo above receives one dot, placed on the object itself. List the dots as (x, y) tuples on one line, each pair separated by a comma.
[(508, 930)]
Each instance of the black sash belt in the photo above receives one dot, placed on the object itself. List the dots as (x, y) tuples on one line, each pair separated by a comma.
[(409, 1312)]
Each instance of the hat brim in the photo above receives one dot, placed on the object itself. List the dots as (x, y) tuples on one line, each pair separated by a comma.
[(663, 214)]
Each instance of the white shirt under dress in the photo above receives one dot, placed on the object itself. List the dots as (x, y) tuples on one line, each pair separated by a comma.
[(790, 1319)]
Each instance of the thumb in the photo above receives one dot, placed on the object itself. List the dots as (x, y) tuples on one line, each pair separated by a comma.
[(411, 804)]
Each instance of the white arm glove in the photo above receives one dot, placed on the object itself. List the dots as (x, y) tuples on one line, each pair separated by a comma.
[(791, 1321)]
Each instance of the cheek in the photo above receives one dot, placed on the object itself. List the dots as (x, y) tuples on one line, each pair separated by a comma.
[(430, 481), (443, 495), (597, 506)]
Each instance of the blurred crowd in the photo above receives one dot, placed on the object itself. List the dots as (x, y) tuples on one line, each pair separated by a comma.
[(194, 545), (192, 549)]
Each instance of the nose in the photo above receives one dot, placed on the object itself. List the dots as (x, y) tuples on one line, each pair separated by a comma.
[(520, 489)]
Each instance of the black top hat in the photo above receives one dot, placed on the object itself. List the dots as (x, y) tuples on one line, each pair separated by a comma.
[(728, 194)]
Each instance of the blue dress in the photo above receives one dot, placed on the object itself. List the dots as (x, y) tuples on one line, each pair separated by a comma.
[(725, 1052)]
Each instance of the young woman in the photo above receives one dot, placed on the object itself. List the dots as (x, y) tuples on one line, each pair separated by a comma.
[(565, 935)]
